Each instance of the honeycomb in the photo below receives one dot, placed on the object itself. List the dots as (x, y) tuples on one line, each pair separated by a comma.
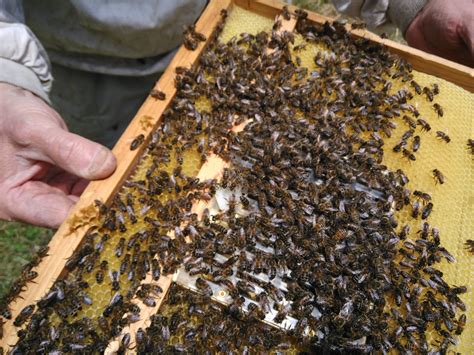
[(453, 213)]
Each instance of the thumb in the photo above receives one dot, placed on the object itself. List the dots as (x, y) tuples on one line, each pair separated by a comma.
[(415, 37), (466, 33), (73, 153)]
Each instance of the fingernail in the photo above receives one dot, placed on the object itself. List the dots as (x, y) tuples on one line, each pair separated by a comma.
[(103, 164)]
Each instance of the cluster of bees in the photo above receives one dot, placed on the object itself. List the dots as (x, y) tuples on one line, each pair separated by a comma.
[(309, 231), (189, 321)]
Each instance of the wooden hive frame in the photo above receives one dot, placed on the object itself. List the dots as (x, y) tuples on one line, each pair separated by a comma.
[(64, 243)]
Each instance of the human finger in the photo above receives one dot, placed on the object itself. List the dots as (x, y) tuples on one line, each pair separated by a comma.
[(38, 203), (71, 152)]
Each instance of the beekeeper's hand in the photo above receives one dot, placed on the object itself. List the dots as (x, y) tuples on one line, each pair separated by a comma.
[(445, 28), (43, 167)]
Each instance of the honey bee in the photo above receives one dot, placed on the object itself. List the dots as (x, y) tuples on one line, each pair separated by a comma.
[(470, 146), (24, 315), (435, 235), (282, 314), (103, 209), (470, 245), (245, 201), (203, 286), (416, 143), (276, 25), (399, 146), (118, 251), (439, 177), (404, 232), (156, 269), (461, 324), (42, 253), (409, 155), (190, 43), (157, 94), (99, 276), (124, 343), (114, 280), (429, 94), (149, 302), (410, 122), (415, 209), (286, 13), (407, 135), (298, 61), (425, 126), (5, 312), (124, 264), (402, 177), (192, 38), (438, 109), (443, 136), (29, 275), (199, 36), (416, 87), (422, 195), (255, 312), (427, 210), (137, 142), (301, 14)]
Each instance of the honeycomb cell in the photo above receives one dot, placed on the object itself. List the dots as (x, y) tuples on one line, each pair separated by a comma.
[(453, 214)]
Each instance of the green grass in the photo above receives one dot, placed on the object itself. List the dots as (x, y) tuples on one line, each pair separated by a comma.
[(18, 244)]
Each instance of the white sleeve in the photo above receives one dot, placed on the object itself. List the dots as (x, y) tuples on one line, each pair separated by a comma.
[(373, 12), (23, 60), (377, 12)]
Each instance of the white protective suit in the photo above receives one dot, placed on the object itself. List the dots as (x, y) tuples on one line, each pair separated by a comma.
[(377, 12), (106, 55)]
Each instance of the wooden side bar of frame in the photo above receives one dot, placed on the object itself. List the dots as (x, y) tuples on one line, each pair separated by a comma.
[(64, 243), (458, 74)]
